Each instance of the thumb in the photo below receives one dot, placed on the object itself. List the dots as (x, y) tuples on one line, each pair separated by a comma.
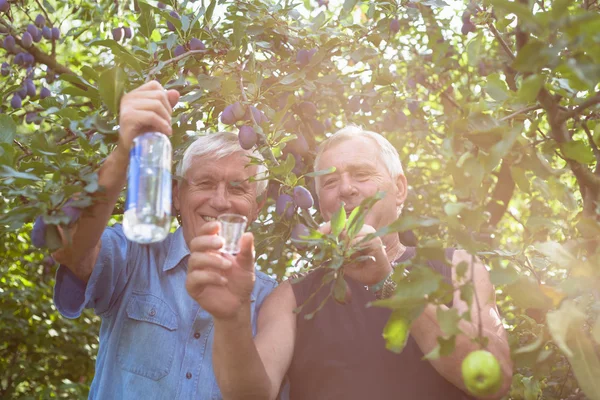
[(245, 258), (173, 96), (325, 229)]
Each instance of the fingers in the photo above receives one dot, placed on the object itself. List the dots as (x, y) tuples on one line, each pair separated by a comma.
[(200, 261), (325, 229), (146, 118), (173, 96), (245, 258), (156, 105), (198, 279), (206, 243)]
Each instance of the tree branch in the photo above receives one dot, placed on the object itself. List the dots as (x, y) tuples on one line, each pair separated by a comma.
[(592, 101), (190, 53), (519, 112), (593, 146), (23, 148), (48, 20), (261, 136), (39, 55)]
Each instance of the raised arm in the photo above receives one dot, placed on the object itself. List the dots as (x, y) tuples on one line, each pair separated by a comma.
[(245, 368), (148, 107), (426, 329)]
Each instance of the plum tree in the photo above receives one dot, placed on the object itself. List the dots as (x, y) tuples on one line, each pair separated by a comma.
[(179, 50), (4, 6), (15, 102)]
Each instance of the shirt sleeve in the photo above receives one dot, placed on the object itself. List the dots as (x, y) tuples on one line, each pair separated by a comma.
[(109, 277)]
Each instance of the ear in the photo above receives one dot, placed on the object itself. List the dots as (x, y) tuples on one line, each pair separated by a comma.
[(175, 191), (401, 189)]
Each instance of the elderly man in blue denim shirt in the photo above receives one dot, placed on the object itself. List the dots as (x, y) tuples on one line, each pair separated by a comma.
[(155, 340)]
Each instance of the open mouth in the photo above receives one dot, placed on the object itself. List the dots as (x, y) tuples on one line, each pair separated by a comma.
[(208, 219)]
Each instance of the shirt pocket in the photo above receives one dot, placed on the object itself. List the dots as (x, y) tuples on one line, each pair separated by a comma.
[(147, 341)]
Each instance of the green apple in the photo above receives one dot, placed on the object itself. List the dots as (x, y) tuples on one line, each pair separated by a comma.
[(481, 373)]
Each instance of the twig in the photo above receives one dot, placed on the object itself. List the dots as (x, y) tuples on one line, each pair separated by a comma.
[(72, 136), (593, 146), (592, 101), (519, 112), (44, 12), (562, 387), (25, 149), (160, 65), (261, 136), (500, 39), (472, 279)]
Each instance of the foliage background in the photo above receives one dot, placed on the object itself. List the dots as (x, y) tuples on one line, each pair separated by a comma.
[(492, 106)]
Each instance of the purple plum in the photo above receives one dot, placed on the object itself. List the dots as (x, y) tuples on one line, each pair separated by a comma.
[(196, 44), (303, 198), (40, 21), (285, 204), (227, 117), (247, 137), (27, 40), (16, 102), (299, 232), (38, 233)]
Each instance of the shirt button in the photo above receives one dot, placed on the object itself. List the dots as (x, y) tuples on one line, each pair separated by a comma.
[(197, 335), (152, 312), (188, 375)]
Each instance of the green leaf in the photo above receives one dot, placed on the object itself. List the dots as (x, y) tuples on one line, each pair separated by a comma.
[(530, 88), (503, 276), (146, 19), (321, 172), (410, 222), (111, 86), (556, 252), (339, 289), (8, 129), (526, 293), (518, 175), (209, 12), (560, 321), (349, 5), (444, 347), (579, 151), (11, 173), (396, 332), (531, 57), (585, 363), (449, 320), (338, 221), (496, 88)]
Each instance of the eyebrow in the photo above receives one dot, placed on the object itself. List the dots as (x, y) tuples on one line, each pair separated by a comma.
[(353, 168)]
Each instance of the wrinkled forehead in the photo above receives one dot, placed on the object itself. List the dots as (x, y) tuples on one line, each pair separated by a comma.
[(350, 152), (235, 166)]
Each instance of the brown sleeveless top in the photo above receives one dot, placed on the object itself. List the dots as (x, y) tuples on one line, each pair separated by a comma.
[(341, 354)]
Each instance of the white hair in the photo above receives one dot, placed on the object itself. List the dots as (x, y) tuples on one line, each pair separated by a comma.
[(387, 152), (216, 146)]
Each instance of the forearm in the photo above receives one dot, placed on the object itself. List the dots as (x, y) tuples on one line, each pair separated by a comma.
[(238, 367), (81, 243), (426, 329)]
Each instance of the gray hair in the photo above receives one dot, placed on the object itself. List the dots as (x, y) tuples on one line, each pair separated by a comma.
[(216, 146), (388, 153)]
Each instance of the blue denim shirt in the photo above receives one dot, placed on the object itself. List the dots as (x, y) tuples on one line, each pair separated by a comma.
[(155, 340)]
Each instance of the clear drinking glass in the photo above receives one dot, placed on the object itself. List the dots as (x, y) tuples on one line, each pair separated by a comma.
[(232, 228)]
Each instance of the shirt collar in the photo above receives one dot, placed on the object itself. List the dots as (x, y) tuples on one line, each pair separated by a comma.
[(178, 249)]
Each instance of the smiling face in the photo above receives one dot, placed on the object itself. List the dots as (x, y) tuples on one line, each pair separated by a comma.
[(214, 187), (359, 174)]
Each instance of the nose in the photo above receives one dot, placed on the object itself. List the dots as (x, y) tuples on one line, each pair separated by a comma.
[(220, 201), (347, 188)]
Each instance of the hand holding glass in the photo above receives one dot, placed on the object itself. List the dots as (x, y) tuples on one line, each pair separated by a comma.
[(232, 229)]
